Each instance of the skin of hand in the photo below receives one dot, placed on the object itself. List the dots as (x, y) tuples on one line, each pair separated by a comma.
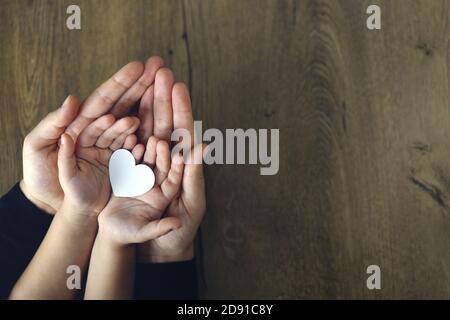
[(126, 221), (117, 96), (164, 107), (83, 168), (83, 174)]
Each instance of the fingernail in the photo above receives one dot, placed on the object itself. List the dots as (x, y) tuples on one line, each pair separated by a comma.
[(65, 101)]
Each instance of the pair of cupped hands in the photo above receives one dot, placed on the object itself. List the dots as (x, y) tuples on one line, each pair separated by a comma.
[(65, 162)]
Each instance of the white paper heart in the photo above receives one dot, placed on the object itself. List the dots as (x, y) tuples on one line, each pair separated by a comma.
[(127, 178)]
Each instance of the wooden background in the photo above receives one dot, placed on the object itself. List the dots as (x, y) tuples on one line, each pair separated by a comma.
[(364, 127)]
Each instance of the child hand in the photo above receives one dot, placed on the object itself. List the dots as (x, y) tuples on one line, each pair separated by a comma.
[(136, 220), (83, 167)]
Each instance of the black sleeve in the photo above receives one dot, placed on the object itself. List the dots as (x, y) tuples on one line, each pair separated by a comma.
[(166, 281), (22, 228)]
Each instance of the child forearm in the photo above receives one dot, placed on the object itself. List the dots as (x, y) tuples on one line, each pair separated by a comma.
[(111, 270), (68, 242)]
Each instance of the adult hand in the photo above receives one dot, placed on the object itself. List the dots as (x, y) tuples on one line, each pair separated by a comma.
[(117, 95), (164, 107)]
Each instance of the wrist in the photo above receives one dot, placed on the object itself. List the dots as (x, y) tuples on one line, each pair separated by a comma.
[(77, 217), (107, 239), (184, 255), (41, 205)]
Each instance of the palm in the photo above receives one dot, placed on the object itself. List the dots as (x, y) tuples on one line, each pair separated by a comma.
[(128, 217), (90, 186)]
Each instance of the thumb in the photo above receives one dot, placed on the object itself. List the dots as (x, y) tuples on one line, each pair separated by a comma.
[(48, 131), (157, 228), (67, 163)]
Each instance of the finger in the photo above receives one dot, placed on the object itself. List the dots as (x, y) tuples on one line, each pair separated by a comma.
[(89, 136), (145, 114), (162, 161), (193, 181), (104, 97), (157, 228), (150, 152), (171, 185), (130, 142), (130, 97), (125, 125), (67, 163), (138, 152), (182, 113), (162, 108), (118, 142), (49, 130), (96, 155)]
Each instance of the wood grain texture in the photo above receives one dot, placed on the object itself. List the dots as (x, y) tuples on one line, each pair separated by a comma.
[(364, 124)]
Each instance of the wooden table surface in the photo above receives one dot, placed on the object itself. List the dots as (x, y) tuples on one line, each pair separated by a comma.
[(363, 116)]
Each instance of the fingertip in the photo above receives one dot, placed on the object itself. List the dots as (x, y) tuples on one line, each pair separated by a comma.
[(169, 224), (164, 75), (129, 73), (133, 67), (155, 61), (69, 109), (180, 87), (70, 100), (138, 152), (162, 146), (152, 142), (130, 142), (66, 139), (66, 145), (177, 224), (132, 125), (127, 123), (66, 102), (103, 123), (109, 119), (152, 65), (62, 141), (150, 151), (180, 95), (137, 122)]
